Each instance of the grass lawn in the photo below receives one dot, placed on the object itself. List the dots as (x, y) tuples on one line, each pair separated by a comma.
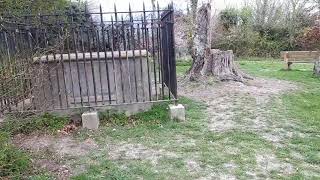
[(302, 106), (150, 146)]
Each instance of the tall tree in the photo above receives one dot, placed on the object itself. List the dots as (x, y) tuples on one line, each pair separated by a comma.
[(207, 61), (153, 3), (316, 69), (267, 13), (297, 17), (192, 19)]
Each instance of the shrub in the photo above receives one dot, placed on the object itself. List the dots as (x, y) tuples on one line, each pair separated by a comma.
[(245, 41), (309, 39)]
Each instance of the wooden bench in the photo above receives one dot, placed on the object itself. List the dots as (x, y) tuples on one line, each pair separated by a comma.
[(291, 57)]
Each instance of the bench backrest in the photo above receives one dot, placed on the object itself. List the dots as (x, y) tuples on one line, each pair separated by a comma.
[(300, 56)]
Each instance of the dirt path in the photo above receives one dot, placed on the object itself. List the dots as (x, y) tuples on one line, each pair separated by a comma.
[(238, 106), (233, 106), (52, 152)]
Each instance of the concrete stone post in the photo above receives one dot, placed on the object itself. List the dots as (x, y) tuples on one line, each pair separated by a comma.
[(90, 120), (177, 112)]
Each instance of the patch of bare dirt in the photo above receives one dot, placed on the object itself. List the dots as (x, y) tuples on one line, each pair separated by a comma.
[(62, 172), (238, 106), (246, 107), (193, 166), (227, 172), (268, 162), (2, 118), (260, 89), (63, 145), (221, 176), (55, 149), (184, 141), (126, 151)]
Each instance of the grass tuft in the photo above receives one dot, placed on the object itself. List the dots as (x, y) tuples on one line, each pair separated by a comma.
[(13, 162), (45, 123), (105, 170), (157, 115)]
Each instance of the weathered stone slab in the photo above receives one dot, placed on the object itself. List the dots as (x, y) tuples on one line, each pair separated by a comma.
[(89, 81), (177, 112), (90, 120)]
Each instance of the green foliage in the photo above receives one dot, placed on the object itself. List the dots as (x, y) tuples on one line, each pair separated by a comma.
[(184, 62), (229, 18), (45, 123), (183, 65), (245, 41), (266, 29), (182, 70), (113, 118), (19, 7), (16, 11), (246, 16), (13, 162), (158, 114)]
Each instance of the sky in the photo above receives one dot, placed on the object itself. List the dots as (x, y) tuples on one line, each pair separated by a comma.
[(122, 5)]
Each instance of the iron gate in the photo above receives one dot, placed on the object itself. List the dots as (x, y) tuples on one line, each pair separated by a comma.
[(79, 59), (168, 53)]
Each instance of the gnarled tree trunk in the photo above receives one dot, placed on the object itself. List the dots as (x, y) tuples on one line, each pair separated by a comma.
[(211, 62), (221, 65)]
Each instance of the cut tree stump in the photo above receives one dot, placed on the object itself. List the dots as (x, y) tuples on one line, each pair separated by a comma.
[(211, 62), (222, 65), (316, 69)]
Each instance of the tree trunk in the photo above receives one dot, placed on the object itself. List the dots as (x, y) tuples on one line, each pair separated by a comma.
[(316, 69), (211, 62), (192, 19), (221, 65), (201, 41)]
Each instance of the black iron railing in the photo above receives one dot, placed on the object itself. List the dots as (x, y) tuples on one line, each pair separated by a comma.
[(86, 59)]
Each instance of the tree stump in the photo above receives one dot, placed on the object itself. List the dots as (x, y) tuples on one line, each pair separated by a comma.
[(316, 69), (221, 64), (211, 62)]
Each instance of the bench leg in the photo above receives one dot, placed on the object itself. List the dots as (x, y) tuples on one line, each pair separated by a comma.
[(288, 66)]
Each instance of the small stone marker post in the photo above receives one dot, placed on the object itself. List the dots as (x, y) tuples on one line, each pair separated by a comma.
[(177, 112), (90, 120), (316, 69)]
